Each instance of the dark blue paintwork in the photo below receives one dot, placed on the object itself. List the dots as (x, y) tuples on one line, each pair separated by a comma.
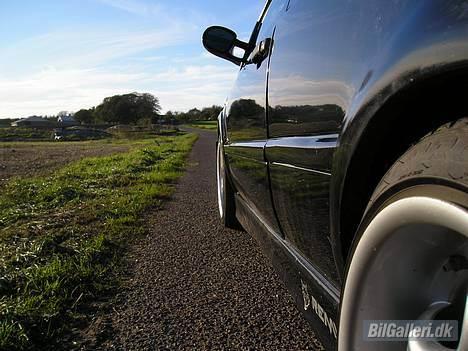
[(294, 121), (247, 131)]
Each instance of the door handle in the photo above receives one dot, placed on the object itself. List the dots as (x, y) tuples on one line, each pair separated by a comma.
[(261, 51)]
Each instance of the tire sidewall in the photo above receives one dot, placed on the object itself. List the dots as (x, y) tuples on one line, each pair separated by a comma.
[(436, 188)]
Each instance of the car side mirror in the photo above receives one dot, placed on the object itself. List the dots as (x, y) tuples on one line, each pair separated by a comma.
[(221, 42)]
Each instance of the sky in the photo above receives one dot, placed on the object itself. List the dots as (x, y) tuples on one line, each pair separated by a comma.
[(60, 55)]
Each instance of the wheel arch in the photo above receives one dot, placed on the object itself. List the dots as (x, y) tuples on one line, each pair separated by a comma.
[(381, 130)]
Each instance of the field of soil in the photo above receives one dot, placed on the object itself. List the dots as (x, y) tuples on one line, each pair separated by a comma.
[(25, 159)]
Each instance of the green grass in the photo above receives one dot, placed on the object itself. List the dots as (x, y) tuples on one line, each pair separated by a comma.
[(62, 236), (210, 125)]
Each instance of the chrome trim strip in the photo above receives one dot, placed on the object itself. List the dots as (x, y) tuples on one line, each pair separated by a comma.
[(301, 168), (247, 158), (257, 144), (326, 141)]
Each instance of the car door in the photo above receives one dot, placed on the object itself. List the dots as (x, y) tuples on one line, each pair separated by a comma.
[(307, 96), (246, 124)]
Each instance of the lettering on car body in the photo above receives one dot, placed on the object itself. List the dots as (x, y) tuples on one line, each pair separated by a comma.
[(310, 300)]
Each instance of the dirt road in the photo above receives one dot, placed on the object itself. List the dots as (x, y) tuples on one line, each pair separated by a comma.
[(196, 286)]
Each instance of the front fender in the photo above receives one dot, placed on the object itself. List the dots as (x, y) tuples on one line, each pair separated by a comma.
[(430, 42)]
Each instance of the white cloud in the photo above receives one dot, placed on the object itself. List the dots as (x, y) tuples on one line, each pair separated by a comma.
[(195, 86), (52, 90), (76, 67), (86, 48), (297, 90), (196, 74), (73, 69)]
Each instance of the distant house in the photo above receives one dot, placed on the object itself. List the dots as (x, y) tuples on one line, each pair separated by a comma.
[(33, 122), (67, 121)]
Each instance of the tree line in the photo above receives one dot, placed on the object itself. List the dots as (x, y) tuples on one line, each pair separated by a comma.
[(136, 108), (132, 108), (205, 114)]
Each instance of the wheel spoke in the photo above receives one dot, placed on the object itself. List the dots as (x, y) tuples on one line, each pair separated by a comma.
[(386, 288), (429, 345)]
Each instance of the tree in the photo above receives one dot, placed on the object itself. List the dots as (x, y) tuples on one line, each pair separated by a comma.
[(85, 116), (211, 113), (63, 114), (194, 114), (128, 108), (206, 114), (247, 109)]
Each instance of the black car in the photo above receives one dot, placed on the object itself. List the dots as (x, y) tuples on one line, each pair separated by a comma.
[(343, 148)]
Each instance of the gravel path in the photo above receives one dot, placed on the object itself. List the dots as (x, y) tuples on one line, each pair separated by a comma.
[(197, 286)]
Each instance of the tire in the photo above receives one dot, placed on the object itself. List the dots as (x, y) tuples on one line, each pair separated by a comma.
[(441, 157), (410, 257), (226, 193)]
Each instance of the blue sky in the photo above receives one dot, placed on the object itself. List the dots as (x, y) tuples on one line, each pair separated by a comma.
[(66, 55)]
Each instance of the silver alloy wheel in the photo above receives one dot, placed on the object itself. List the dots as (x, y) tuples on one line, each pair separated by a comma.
[(400, 269), (430, 314), (220, 177)]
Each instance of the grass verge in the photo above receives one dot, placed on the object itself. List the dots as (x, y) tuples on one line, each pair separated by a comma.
[(62, 236)]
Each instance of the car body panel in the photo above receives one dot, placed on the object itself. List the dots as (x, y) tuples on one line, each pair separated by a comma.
[(430, 43), (313, 294), (312, 152), (246, 129), (292, 124), (301, 199), (311, 86)]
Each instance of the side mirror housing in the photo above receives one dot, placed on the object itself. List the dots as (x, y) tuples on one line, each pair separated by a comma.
[(221, 41)]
